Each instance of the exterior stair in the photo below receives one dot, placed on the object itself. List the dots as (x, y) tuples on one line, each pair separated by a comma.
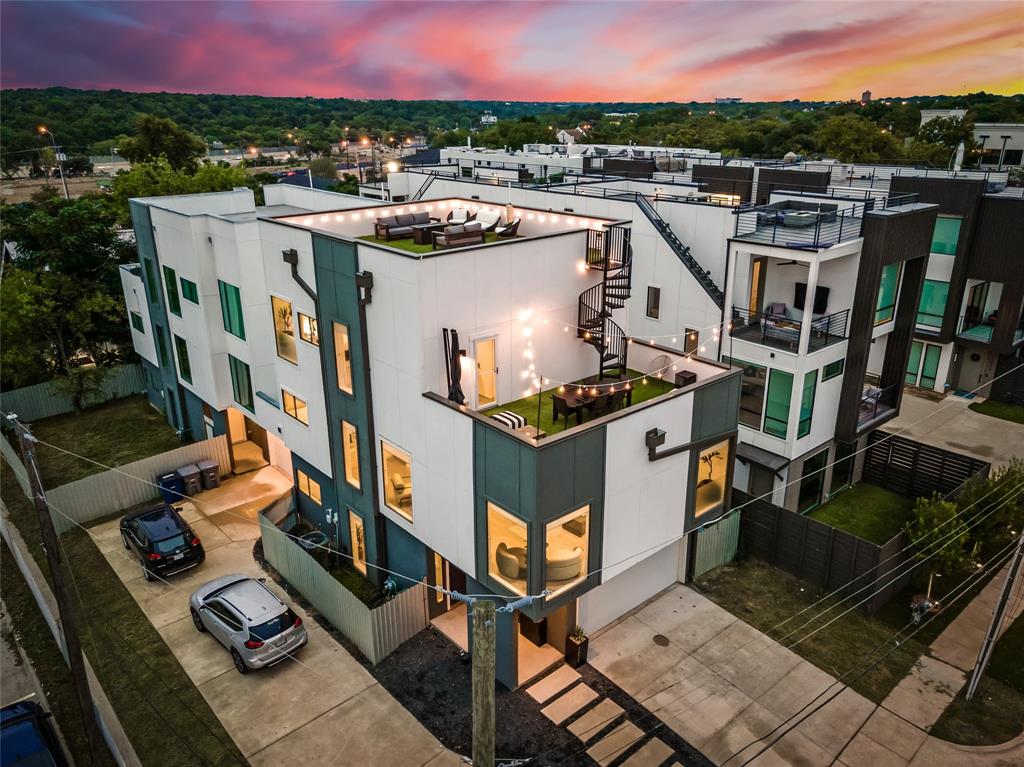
[(682, 251), (608, 251)]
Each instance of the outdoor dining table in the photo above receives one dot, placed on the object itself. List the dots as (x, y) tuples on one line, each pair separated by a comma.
[(576, 402)]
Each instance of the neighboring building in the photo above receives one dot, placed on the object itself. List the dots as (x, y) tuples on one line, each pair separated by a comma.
[(865, 96), (571, 136), (729, 100), (487, 118), (1002, 144), (927, 115)]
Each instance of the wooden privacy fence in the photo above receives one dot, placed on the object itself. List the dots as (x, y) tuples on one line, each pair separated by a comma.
[(716, 545), (915, 469), (376, 632), (115, 490), (32, 403), (823, 555)]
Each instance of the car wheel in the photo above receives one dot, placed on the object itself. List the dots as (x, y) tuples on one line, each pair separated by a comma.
[(147, 574), (197, 620), (239, 663)]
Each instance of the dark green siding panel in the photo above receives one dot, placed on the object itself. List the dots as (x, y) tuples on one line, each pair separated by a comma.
[(503, 478), (556, 476), (716, 408)]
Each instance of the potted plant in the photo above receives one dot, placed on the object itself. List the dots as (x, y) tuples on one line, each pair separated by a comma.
[(576, 647), (709, 492)]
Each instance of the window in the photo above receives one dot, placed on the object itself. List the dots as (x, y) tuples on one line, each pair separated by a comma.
[(712, 473), (776, 411), (350, 445), (358, 535), (812, 482), (284, 329), (231, 309), (1013, 156), (946, 235), (189, 291), (308, 486), (171, 283), (807, 404), (161, 348), (692, 341), (566, 550), (751, 391), (397, 469), (147, 266), (653, 302), (933, 303), (136, 319), (923, 365), (833, 369), (295, 407), (241, 384), (842, 469), (506, 549), (885, 308), (308, 330), (466, 171), (181, 349), (343, 357)]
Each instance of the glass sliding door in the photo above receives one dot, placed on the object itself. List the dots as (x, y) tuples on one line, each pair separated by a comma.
[(914, 362), (812, 482), (930, 367)]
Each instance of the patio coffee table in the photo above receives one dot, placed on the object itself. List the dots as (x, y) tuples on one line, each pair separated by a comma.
[(421, 233)]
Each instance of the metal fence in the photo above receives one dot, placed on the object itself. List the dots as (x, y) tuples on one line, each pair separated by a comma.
[(376, 632), (90, 498), (32, 403), (821, 554), (915, 469), (716, 545)]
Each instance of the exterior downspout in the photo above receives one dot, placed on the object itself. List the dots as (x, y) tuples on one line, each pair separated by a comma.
[(291, 256)]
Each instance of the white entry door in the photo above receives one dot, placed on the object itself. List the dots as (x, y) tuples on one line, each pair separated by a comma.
[(485, 353)]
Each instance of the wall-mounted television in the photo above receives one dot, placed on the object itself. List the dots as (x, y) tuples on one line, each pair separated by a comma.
[(820, 298)]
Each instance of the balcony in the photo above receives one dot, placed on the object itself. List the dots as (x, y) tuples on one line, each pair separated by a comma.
[(876, 404), (780, 332), (971, 328), (799, 224)]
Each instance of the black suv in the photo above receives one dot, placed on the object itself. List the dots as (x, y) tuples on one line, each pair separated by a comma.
[(162, 540)]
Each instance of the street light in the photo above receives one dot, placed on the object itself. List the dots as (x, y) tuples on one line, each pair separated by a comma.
[(983, 138), (43, 130), (1002, 152)]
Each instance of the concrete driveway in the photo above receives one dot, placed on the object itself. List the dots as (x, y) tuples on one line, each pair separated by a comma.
[(720, 683), (321, 708)]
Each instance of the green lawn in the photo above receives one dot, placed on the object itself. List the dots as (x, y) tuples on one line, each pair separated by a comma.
[(1014, 413), (165, 716), (763, 596), (867, 511), (114, 433), (996, 713), (527, 406), (406, 243)]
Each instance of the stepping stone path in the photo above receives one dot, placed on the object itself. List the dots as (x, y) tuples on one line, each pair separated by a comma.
[(564, 695)]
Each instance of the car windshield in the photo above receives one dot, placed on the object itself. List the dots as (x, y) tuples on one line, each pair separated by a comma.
[(167, 545), (274, 626)]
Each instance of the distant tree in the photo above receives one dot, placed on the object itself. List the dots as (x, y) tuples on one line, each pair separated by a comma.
[(349, 184), (851, 138), (323, 167), (162, 137), (948, 131), (157, 177)]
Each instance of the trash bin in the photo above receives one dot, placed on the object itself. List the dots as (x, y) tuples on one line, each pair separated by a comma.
[(210, 474), (171, 487), (190, 478)]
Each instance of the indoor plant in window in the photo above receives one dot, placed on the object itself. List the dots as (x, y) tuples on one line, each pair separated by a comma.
[(576, 647), (709, 492)]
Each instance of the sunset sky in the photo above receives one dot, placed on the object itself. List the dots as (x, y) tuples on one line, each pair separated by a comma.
[(627, 50)]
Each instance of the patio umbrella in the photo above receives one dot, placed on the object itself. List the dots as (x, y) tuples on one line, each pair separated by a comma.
[(455, 385)]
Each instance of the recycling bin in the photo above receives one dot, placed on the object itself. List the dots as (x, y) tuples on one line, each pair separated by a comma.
[(171, 487), (209, 474), (190, 479)]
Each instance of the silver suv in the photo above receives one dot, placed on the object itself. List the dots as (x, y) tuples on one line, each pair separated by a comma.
[(256, 627)]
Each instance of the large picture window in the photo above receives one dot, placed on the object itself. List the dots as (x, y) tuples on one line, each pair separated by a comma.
[(946, 235), (397, 469), (566, 550), (350, 442), (776, 411), (885, 308), (933, 303), (712, 475), (241, 383), (751, 391), (231, 309), (343, 357), (807, 404), (284, 329), (506, 549)]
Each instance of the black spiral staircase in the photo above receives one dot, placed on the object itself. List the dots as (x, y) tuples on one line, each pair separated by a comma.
[(608, 251)]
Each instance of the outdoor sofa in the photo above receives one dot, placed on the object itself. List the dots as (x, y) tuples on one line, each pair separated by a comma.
[(459, 235), (394, 227)]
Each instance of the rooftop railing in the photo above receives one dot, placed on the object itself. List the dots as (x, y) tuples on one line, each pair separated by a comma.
[(800, 228), (876, 403)]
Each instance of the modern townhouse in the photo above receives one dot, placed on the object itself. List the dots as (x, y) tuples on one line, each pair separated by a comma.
[(412, 394)]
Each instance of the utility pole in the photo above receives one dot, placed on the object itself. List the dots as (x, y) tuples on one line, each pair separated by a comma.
[(483, 682), (994, 626), (60, 165), (65, 605)]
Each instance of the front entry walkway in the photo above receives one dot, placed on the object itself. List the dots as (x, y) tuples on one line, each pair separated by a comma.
[(319, 708)]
